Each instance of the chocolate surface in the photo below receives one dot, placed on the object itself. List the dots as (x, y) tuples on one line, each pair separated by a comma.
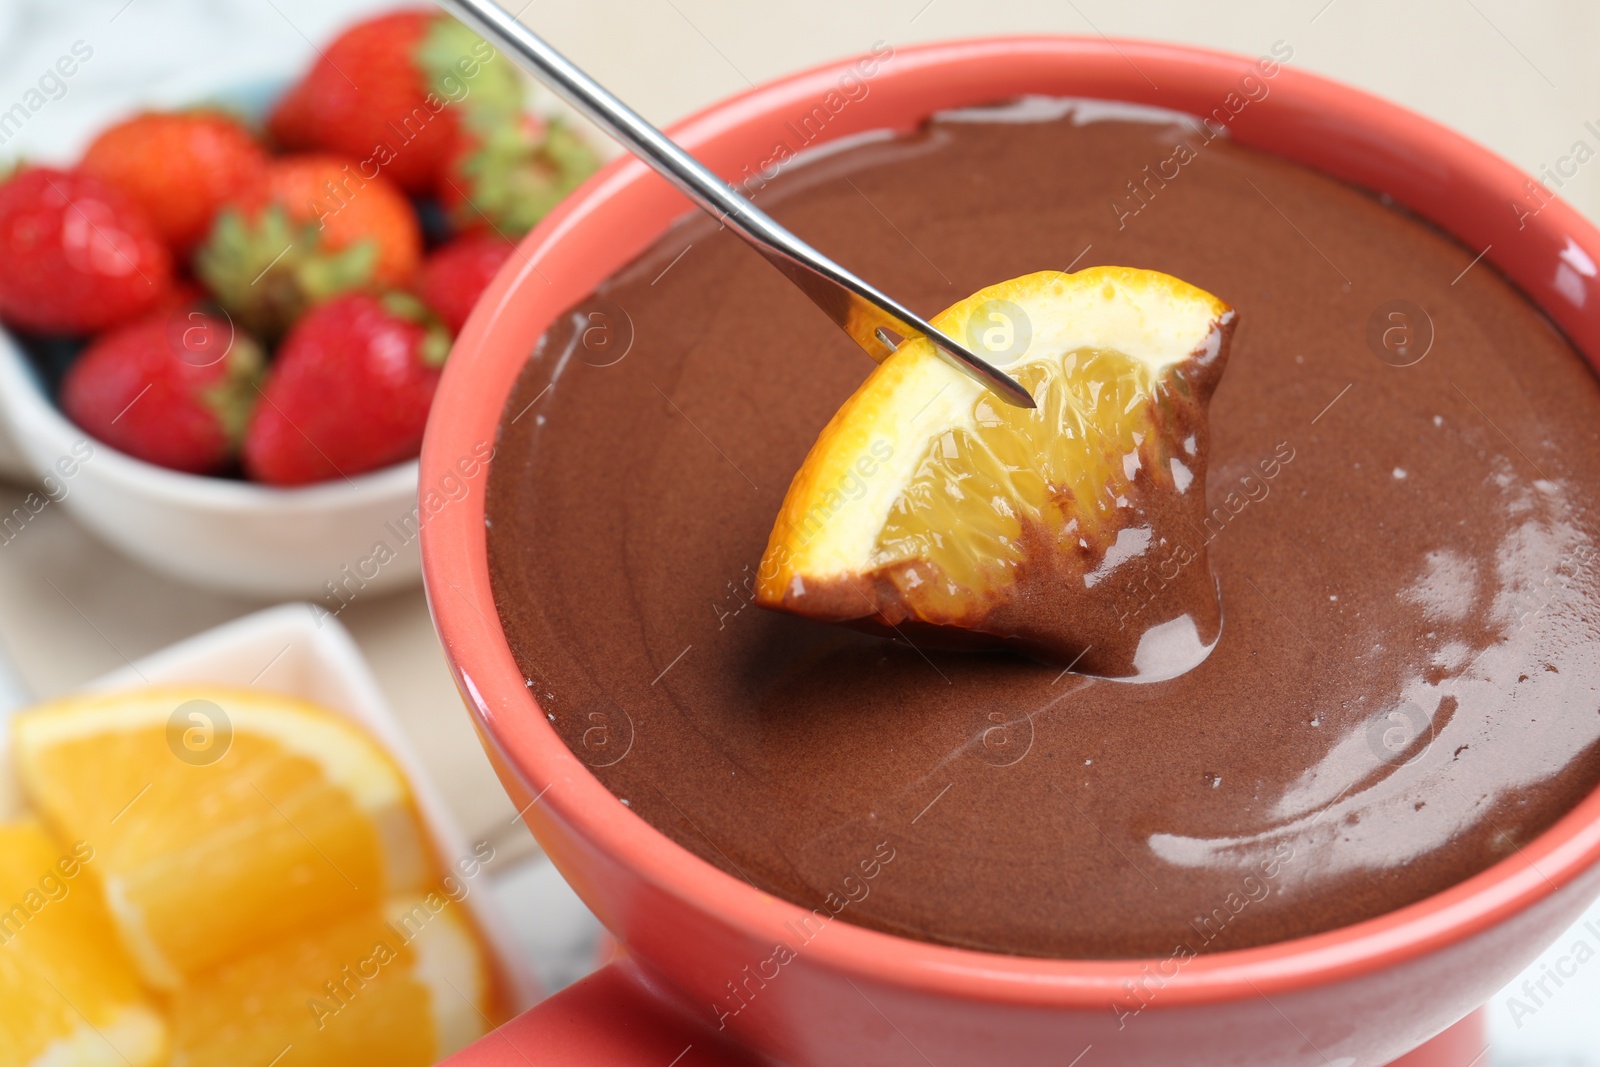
[(1407, 684)]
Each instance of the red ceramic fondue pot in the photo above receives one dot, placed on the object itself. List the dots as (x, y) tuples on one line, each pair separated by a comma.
[(1361, 996)]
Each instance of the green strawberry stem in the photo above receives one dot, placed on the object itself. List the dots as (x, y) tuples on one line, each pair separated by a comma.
[(436, 341), (268, 270), (234, 398)]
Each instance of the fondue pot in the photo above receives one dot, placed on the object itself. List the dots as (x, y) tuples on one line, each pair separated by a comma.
[(1405, 984)]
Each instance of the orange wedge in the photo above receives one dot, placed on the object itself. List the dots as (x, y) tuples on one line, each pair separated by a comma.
[(932, 510), (401, 986), (68, 997), (220, 819)]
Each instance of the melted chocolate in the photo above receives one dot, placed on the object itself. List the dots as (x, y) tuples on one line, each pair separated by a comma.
[(1407, 683)]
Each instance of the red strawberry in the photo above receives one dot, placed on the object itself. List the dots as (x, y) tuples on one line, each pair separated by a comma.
[(454, 277), (178, 167), (76, 255), (390, 92), (506, 176), (312, 228), (349, 391), (173, 388)]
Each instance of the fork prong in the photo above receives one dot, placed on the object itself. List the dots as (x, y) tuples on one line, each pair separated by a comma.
[(998, 381)]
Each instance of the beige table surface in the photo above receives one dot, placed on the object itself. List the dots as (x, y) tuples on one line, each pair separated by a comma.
[(1520, 77)]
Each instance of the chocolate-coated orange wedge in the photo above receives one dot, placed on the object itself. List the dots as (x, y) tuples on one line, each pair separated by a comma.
[(930, 510)]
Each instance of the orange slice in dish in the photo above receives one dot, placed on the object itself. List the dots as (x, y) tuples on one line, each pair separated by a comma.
[(403, 985), (932, 511), (220, 819), (68, 996)]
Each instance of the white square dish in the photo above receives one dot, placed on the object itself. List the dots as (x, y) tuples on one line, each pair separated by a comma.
[(287, 649)]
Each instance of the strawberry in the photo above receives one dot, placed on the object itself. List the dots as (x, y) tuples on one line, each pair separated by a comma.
[(180, 167), (312, 228), (506, 176), (173, 388), (348, 392), (390, 92), (76, 255), (454, 277)]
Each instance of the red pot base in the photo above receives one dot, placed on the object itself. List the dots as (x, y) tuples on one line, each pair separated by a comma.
[(612, 1017), (1463, 1045)]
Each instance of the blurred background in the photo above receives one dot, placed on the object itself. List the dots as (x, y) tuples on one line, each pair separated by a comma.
[(1521, 78)]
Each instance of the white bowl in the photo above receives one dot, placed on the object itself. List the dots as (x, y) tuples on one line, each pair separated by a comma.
[(291, 649), (324, 542), (227, 534), (231, 535)]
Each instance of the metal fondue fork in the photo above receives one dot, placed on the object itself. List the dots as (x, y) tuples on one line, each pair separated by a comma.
[(858, 308)]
